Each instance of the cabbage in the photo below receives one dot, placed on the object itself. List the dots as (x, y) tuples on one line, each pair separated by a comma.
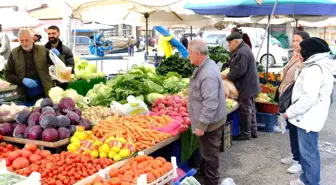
[(85, 123), (56, 94), (22, 117), (78, 112), (44, 109), (63, 133), (63, 121), (48, 121), (46, 102), (72, 129), (74, 118), (35, 132), (33, 119), (19, 131), (52, 113), (50, 135), (91, 68), (71, 93), (6, 129), (66, 104), (38, 103), (152, 97)]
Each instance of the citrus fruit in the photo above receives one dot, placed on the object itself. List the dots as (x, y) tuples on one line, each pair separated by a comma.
[(103, 155), (71, 148), (111, 154)]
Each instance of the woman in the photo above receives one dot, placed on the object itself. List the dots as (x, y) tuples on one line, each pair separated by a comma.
[(311, 97), (288, 78)]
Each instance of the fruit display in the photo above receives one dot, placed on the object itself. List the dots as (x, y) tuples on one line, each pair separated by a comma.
[(172, 105), (8, 112), (133, 168), (57, 93), (137, 129), (115, 148), (96, 113), (264, 98), (66, 168), (50, 122), (6, 148), (268, 88)]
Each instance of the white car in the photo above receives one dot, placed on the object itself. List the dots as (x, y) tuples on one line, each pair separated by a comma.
[(277, 55)]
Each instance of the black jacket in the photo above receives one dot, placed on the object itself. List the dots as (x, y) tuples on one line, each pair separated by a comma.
[(243, 72), (66, 54)]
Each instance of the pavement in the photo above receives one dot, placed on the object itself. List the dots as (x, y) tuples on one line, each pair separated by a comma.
[(257, 162)]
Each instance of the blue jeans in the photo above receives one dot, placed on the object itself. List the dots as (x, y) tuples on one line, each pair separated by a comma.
[(131, 50), (310, 157), (294, 142)]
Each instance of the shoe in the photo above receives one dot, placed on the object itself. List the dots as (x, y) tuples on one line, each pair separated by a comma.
[(295, 168), (254, 136), (287, 161), (296, 182), (242, 138), (277, 129)]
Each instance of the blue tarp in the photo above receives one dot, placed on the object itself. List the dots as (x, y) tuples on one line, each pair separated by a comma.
[(245, 8)]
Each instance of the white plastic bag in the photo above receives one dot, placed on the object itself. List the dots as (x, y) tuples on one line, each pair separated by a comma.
[(59, 71), (282, 123), (228, 181), (132, 108)]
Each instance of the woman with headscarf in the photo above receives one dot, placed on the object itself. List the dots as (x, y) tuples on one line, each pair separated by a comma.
[(310, 107), (288, 78)]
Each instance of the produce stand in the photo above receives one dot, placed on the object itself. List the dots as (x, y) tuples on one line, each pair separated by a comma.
[(54, 145), (83, 86), (160, 145), (8, 94)]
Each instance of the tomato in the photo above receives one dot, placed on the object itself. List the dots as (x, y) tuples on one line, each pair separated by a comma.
[(1, 137), (10, 147), (31, 147), (115, 181)]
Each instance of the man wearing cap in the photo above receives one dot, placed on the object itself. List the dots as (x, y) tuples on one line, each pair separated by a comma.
[(243, 73)]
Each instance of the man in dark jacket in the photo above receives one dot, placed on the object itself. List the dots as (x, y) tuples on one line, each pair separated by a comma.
[(27, 67), (184, 41), (245, 37), (243, 73), (61, 50)]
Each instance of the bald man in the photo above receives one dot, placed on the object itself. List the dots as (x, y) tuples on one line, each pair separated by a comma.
[(207, 109)]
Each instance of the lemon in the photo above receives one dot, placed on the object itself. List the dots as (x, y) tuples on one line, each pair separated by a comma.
[(73, 139), (111, 154), (105, 148), (116, 158), (71, 148), (121, 139), (116, 149), (101, 149), (76, 143), (124, 153), (81, 135), (94, 153), (103, 155)]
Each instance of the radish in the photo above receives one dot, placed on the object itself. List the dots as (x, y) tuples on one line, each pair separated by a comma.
[(161, 107), (182, 109), (154, 110), (170, 108)]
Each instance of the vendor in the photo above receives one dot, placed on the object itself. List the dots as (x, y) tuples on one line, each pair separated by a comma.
[(27, 67), (61, 50)]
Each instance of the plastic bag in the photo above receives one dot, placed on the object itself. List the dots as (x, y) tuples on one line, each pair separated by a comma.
[(174, 128), (230, 89), (59, 71), (282, 123), (228, 181), (132, 108)]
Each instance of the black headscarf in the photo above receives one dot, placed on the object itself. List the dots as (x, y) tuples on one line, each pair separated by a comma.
[(312, 46)]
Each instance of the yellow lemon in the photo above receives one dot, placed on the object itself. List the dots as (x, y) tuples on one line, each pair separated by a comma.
[(103, 155), (116, 158), (121, 139), (116, 149), (73, 139), (81, 135), (111, 154), (100, 149), (124, 153), (94, 153), (76, 143), (105, 148), (71, 148)]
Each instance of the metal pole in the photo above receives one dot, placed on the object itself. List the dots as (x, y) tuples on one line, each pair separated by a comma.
[(190, 33), (146, 17), (267, 56)]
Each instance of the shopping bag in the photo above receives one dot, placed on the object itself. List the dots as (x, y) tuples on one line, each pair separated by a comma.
[(59, 71), (132, 108)]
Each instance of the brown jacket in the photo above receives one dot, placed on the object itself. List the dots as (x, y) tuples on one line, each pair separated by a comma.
[(15, 68)]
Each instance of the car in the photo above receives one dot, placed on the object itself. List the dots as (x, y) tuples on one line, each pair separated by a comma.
[(277, 54), (82, 45)]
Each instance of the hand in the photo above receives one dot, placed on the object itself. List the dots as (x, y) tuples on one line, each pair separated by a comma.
[(199, 132), (224, 76), (285, 116), (55, 51), (30, 83)]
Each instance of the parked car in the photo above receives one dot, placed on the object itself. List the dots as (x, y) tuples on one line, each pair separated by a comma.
[(277, 54)]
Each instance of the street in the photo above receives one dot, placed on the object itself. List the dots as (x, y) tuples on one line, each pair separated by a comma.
[(257, 162)]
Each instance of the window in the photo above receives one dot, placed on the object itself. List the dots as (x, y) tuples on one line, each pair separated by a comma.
[(221, 39), (211, 39), (82, 40), (127, 30)]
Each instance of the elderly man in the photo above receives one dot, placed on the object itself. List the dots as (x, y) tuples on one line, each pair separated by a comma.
[(27, 67), (207, 108), (243, 73), (61, 50)]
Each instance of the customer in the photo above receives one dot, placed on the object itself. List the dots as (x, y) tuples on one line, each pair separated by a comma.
[(311, 97), (184, 41), (288, 78), (131, 43), (27, 67), (207, 110), (245, 37), (243, 73), (5, 48)]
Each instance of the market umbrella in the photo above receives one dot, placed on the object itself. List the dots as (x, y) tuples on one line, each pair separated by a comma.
[(12, 20), (245, 8), (91, 27)]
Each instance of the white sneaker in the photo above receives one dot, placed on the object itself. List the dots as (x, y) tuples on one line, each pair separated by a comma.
[(295, 168), (296, 182), (288, 160), (277, 129)]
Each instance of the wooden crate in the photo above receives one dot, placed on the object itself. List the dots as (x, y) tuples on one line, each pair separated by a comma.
[(226, 141)]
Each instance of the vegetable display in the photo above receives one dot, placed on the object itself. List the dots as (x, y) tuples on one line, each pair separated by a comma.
[(96, 113), (219, 54), (57, 93), (8, 112), (85, 71), (176, 63)]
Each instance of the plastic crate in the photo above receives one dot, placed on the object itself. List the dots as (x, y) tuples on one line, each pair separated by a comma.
[(267, 107), (226, 141), (266, 121)]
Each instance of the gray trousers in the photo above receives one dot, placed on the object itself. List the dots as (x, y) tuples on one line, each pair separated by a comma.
[(247, 116)]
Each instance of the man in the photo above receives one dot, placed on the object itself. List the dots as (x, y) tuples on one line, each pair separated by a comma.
[(243, 73), (27, 67), (131, 43), (207, 108), (246, 38), (61, 50), (184, 41), (5, 48)]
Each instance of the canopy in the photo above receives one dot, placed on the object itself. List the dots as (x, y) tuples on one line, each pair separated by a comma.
[(277, 19), (11, 20), (92, 27), (245, 8)]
